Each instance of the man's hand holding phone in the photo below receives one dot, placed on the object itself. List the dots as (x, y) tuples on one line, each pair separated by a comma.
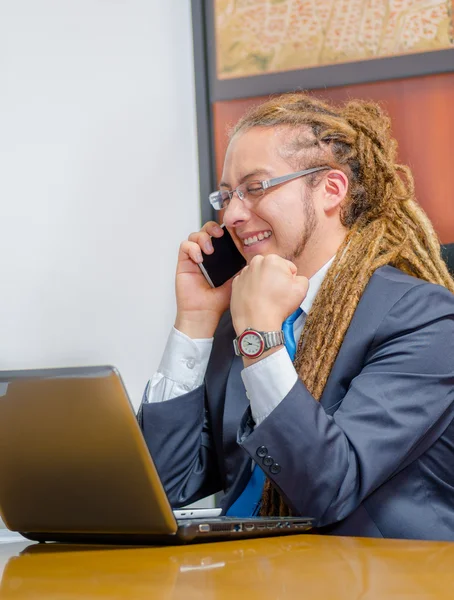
[(199, 305)]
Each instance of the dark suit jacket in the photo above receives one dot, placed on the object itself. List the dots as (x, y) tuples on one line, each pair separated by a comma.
[(375, 457)]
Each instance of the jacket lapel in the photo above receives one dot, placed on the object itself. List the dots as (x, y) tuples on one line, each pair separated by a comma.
[(216, 382), (236, 403)]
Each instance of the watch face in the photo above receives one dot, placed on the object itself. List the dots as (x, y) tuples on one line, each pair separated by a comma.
[(251, 343)]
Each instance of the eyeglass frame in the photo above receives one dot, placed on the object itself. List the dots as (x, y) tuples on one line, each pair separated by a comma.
[(215, 197)]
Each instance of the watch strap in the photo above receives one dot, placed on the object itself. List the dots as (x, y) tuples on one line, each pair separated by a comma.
[(273, 338)]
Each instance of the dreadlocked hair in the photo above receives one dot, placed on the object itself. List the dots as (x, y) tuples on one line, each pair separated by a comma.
[(385, 224)]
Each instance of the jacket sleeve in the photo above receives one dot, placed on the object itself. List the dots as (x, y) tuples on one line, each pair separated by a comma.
[(395, 408), (178, 435)]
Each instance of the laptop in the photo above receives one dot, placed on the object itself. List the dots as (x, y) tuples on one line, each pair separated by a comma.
[(74, 467)]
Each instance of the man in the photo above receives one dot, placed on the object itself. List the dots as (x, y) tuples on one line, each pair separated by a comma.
[(358, 430)]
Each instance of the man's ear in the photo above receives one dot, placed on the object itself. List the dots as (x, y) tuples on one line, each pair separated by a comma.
[(335, 190)]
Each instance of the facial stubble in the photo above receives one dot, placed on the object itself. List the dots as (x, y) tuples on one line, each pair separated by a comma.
[(310, 223)]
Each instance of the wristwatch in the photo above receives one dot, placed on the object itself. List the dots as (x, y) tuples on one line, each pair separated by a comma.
[(252, 343)]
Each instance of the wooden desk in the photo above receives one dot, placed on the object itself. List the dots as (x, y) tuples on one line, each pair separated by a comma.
[(305, 566)]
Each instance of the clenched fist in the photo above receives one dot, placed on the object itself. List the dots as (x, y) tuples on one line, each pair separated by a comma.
[(265, 293)]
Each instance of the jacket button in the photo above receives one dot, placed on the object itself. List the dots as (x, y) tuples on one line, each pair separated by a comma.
[(262, 451), (275, 469), (268, 461)]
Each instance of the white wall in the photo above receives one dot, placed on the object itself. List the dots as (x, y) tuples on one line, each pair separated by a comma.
[(99, 180)]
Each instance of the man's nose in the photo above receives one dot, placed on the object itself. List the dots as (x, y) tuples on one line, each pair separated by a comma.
[(236, 211)]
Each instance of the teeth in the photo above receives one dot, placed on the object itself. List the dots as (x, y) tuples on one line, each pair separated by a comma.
[(257, 238)]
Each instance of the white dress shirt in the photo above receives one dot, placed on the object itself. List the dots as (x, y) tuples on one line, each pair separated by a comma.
[(267, 382)]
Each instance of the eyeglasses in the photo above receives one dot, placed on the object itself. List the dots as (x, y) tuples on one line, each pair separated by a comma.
[(251, 190)]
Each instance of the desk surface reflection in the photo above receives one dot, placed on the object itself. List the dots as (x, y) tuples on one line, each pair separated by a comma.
[(308, 566)]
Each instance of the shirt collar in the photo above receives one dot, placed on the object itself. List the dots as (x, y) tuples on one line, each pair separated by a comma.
[(315, 283)]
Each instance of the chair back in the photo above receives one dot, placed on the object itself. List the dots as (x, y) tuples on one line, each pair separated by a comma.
[(447, 254)]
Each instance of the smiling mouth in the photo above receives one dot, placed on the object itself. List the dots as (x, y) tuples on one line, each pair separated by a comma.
[(263, 235)]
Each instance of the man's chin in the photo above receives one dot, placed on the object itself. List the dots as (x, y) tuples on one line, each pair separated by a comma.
[(250, 255)]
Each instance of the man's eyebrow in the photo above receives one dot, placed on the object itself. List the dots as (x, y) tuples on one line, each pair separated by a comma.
[(255, 173)]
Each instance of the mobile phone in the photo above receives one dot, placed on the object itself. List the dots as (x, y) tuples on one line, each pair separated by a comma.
[(225, 262), (197, 513)]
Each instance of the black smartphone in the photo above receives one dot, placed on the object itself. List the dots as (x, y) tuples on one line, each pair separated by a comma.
[(225, 262)]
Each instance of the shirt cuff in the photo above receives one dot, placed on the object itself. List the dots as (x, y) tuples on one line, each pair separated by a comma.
[(185, 360), (268, 382)]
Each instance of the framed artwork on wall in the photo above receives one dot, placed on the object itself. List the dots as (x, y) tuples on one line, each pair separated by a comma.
[(262, 46)]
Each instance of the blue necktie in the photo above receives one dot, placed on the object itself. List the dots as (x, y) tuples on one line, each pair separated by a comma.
[(248, 502), (287, 328)]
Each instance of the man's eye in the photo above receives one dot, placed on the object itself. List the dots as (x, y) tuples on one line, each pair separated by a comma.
[(255, 189)]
